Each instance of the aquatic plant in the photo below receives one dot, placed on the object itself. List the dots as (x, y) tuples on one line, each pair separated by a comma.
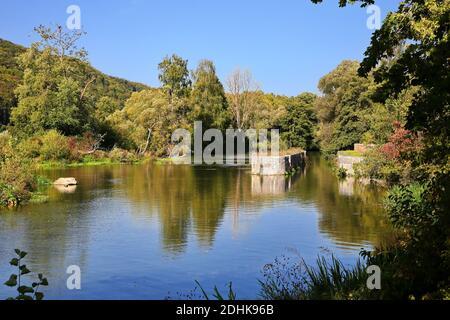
[(327, 280), (217, 295)]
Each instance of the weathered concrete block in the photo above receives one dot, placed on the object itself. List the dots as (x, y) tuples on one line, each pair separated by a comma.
[(347, 163), (276, 165)]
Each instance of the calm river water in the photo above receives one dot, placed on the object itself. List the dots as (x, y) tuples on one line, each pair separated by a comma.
[(149, 231)]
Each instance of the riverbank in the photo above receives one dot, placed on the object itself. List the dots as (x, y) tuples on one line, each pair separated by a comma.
[(46, 165)]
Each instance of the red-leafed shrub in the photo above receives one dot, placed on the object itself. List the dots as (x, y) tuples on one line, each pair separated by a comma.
[(393, 161), (403, 144)]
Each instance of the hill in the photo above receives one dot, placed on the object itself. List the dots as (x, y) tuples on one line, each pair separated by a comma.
[(11, 75)]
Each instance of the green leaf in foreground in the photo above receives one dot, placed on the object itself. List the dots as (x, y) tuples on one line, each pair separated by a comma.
[(12, 282)]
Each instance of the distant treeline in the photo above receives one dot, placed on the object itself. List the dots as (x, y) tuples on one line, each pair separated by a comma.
[(51, 86)]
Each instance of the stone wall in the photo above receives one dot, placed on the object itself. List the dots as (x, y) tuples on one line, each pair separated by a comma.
[(281, 165)]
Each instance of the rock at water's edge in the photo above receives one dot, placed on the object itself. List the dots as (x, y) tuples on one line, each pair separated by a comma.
[(66, 182)]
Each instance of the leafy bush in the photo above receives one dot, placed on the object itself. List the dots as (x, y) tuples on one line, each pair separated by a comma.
[(16, 174), (55, 146), (30, 148), (376, 166), (418, 265), (341, 173), (121, 155), (5, 144), (17, 181), (393, 161), (409, 211)]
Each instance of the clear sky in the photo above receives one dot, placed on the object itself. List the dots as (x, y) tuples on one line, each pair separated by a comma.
[(288, 44)]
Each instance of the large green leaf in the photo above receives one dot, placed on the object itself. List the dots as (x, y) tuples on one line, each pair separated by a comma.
[(12, 282), (24, 270), (25, 289), (14, 262)]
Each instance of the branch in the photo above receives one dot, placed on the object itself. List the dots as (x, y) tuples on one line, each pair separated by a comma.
[(96, 145), (86, 87)]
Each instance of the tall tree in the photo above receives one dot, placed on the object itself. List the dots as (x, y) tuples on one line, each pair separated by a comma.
[(174, 76), (341, 109), (243, 99), (53, 89), (299, 123), (208, 100)]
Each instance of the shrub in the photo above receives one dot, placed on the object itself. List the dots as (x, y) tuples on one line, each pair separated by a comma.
[(5, 144), (410, 211), (341, 173), (121, 155), (393, 161), (55, 146), (418, 265), (30, 148), (17, 181), (377, 166), (403, 144)]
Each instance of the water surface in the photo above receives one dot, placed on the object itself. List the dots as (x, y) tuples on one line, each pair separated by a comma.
[(149, 231)]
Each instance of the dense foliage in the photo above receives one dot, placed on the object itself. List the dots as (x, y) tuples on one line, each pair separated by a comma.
[(419, 209), (17, 180), (404, 79), (408, 59), (299, 124), (10, 76)]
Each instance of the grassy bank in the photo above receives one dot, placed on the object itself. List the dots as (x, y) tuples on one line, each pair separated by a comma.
[(68, 164), (89, 162)]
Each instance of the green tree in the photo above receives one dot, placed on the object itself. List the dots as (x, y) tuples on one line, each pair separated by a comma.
[(270, 111), (298, 125), (346, 98), (422, 28), (148, 121), (174, 76), (208, 100), (104, 107), (52, 93), (10, 76)]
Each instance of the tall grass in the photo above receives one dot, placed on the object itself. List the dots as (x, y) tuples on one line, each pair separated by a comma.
[(327, 280)]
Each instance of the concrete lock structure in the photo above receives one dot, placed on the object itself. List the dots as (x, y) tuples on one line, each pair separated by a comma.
[(266, 165)]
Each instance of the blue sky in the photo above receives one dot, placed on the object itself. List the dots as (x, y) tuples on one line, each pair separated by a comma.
[(288, 45)]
